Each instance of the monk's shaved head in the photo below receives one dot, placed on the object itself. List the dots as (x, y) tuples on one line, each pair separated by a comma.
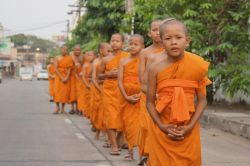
[(78, 46), (140, 37), (172, 21), (119, 34), (158, 21), (103, 45)]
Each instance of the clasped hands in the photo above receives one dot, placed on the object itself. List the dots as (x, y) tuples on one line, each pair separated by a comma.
[(175, 132)]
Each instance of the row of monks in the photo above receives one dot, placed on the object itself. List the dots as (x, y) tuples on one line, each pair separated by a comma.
[(152, 96)]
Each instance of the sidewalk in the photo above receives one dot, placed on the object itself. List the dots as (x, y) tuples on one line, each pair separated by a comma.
[(232, 120)]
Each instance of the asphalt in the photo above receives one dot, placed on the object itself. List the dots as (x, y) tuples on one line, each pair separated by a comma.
[(30, 135)]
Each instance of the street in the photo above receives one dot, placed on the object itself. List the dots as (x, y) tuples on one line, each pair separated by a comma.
[(30, 135)]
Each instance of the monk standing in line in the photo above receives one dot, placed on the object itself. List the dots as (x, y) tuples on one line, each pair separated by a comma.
[(86, 75), (63, 67), (51, 73), (177, 80), (129, 85), (73, 85), (111, 93), (104, 50), (148, 56)]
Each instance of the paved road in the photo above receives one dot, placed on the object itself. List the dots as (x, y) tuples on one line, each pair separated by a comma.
[(30, 135)]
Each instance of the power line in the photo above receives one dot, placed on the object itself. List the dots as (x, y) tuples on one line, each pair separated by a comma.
[(12, 32)]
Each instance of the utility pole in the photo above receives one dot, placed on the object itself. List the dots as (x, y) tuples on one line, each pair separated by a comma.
[(68, 29)]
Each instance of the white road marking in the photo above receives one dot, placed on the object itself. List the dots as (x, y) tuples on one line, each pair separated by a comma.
[(68, 121), (80, 136)]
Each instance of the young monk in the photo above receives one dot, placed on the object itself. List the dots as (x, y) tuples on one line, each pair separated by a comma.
[(63, 67), (51, 73), (86, 74), (129, 85), (104, 50), (111, 93), (73, 84), (79, 85), (178, 80), (148, 56)]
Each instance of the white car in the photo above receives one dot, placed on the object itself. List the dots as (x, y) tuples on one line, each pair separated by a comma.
[(26, 76), (43, 75)]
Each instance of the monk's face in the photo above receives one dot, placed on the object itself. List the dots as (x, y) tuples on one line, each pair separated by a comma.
[(116, 42), (154, 31), (64, 50), (51, 60), (135, 45), (77, 51), (91, 56), (175, 39), (106, 50)]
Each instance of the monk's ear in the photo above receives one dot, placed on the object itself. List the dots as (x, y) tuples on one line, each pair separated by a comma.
[(188, 40), (149, 35)]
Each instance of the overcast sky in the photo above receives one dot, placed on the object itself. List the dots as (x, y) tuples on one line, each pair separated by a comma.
[(20, 16)]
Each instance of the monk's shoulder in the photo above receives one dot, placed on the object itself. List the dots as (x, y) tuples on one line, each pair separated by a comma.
[(124, 61), (196, 59)]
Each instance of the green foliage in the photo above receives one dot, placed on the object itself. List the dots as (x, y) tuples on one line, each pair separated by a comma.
[(103, 18), (33, 41), (218, 28)]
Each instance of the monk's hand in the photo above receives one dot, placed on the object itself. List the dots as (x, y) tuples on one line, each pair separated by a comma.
[(88, 87), (184, 130), (133, 99), (171, 131)]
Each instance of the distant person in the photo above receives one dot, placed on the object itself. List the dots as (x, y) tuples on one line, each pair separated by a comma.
[(73, 82), (63, 67), (52, 75)]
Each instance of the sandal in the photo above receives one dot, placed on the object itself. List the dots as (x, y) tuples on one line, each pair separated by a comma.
[(124, 146), (143, 161), (129, 157), (107, 145), (114, 153), (71, 112)]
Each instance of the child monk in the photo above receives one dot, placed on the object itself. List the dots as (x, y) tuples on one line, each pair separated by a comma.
[(73, 85), (51, 73), (178, 80), (111, 93), (148, 56), (104, 50), (129, 85), (86, 74), (63, 67)]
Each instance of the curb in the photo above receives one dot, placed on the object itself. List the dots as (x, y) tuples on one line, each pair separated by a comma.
[(209, 120)]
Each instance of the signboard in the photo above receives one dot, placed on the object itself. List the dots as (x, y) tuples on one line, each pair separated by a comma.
[(5, 46)]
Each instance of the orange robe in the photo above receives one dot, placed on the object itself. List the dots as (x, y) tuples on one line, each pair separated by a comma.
[(79, 88), (129, 111), (87, 94), (112, 94), (51, 71), (62, 90), (73, 93), (144, 121), (176, 88)]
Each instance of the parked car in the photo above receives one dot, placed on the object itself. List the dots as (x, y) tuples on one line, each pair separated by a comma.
[(0, 77), (42, 75), (26, 76)]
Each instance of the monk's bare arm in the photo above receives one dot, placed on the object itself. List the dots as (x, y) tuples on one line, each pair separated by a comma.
[(151, 97), (68, 74), (201, 105), (142, 66), (94, 78), (101, 74), (120, 79), (56, 69), (84, 77)]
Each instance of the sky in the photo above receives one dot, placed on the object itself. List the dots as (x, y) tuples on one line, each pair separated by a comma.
[(43, 18)]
